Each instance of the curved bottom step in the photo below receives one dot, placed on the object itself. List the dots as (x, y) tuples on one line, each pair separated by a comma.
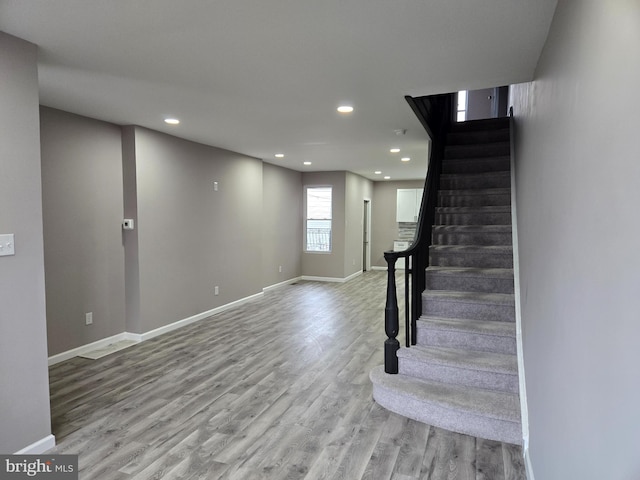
[(480, 413)]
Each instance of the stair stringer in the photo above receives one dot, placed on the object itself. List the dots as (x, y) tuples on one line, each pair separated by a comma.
[(524, 409)]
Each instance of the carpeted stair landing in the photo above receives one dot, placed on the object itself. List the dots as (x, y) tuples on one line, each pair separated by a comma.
[(463, 375)]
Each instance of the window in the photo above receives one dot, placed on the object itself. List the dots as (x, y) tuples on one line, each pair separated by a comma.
[(318, 219), (461, 110)]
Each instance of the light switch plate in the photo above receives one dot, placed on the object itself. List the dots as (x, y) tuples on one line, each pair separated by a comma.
[(7, 245)]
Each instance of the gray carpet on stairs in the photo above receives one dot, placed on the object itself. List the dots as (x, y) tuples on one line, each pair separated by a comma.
[(462, 375), (476, 412)]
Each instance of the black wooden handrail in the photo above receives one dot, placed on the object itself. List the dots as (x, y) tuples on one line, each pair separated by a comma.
[(435, 112)]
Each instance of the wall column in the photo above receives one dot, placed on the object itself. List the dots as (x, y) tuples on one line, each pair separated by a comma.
[(24, 401)]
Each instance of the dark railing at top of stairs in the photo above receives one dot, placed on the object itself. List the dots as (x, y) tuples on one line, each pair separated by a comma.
[(435, 112)]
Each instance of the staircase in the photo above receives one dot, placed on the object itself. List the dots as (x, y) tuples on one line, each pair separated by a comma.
[(462, 375)]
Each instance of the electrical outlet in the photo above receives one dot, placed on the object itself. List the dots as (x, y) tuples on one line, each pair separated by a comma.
[(88, 318), (280, 269), (216, 290), (354, 261)]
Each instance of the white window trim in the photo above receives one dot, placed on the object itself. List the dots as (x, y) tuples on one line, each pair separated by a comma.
[(304, 219)]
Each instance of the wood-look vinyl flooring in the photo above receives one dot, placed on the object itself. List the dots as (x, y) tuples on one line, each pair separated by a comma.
[(277, 388)]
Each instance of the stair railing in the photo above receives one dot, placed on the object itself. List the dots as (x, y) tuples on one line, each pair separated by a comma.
[(435, 112)]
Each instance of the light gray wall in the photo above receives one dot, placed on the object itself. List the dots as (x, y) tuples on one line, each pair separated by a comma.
[(82, 210), (479, 105), (578, 194), (24, 377), (357, 190), (190, 237), (281, 235), (130, 237), (331, 264), (187, 239), (384, 228)]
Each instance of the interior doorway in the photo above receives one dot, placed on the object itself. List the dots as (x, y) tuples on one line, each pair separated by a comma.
[(480, 104), (366, 236)]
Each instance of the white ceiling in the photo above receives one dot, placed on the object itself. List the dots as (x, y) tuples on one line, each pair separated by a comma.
[(265, 76)]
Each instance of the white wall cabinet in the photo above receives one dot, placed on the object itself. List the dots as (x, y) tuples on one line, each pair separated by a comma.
[(408, 204)]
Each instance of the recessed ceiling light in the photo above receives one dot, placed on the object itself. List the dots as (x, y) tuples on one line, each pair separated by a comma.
[(307, 163), (387, 177), (394, 150), (279, 155), (405, 159), (377, 172), (345, 109), (172, 121)]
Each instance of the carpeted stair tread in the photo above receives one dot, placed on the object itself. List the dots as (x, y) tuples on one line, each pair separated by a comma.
[(479, 306), (469, 297), (470, 279), (476, 191), (472, 411), (482, 124), (479, 249), (460, 366), (462, 358), (479, 209), (476, 164), (486, 336), (484, 149), (472, 235), (482, 273), (473, 228), (468, 181), (474, 176), (502, 329), (478, 136), (498, 405), (478, 256)]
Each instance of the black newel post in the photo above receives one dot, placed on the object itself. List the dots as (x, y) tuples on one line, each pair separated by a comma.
[(391, 324)]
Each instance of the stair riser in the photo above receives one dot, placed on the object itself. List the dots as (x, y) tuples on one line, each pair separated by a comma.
[(477, 151), (478, 136), (479, 238), (470, 311), (459, 376), (457, 259), (469, 424), (464, 182), (499, 218), (468, 283), (476, 165), (464, 340), (498, 123), (474, 200)]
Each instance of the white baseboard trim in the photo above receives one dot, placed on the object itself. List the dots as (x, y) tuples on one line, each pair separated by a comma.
[(74, 352), (312, 278), (141, 337), (331, 279), (41, 446), (527, 465), (281, 284), (195, 318), (354, 275), (375, 267)]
